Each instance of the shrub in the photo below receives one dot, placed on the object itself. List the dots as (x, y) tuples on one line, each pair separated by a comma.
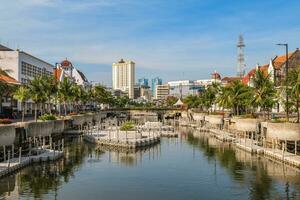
[(46, 117), (127, 126), (5, 121)]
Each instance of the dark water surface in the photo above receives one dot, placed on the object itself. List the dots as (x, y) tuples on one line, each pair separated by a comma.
[(192, 166)]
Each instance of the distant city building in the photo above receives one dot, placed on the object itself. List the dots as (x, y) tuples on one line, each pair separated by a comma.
[(154, 82), (146, 93), (66, 69), (143, 82), (123, 77), (137, 91), (162, 91), (182, 88)]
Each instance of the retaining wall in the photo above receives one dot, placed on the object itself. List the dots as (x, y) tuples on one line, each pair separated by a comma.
[(7, 134)]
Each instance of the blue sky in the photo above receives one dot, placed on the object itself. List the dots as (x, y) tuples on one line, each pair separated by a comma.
[(172, 39)]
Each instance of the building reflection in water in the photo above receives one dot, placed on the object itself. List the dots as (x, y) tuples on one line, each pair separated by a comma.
[(260, 175), (42, 179)]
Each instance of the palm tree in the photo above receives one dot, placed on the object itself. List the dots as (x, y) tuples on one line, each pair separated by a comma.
[(49, 83), (264, 91), (223, 98), (192, 101), (209, 96), (65, 92), (240, 96), (102, 96), (22, 94), (294, 81), (37, 93)]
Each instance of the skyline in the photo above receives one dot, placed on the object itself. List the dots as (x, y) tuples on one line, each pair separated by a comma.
[(161, 37)]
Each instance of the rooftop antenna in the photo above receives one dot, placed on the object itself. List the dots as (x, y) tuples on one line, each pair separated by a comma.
[(240, 57)]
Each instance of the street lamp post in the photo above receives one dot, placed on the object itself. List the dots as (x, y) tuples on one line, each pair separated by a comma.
[(286, 76)]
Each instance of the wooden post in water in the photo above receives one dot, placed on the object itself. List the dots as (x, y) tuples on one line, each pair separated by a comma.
[(54, 148), (8, 159), (50, 142), (30, 146), (251, 141), (13, 151), (20, 154), (4, 152), (44, 142), (283, 148), (62, 144), (295, 147)]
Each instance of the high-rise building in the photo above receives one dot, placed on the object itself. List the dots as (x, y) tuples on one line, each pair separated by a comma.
[(154, 82), (162, 91), (143, 82), (123, 77)]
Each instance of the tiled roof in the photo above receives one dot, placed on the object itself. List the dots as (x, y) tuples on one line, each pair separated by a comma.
[(230, 79), (250, 74), (8, 79), (278, 61)]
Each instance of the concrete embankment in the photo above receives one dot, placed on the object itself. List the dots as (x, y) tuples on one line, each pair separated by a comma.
[(278, 141)]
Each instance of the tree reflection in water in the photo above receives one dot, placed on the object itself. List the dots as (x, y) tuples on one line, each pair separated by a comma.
[(260, 184)]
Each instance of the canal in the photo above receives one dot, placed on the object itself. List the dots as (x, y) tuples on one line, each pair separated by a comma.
[(192, 166)]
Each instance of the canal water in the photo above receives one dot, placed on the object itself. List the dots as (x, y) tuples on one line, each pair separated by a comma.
[(192, 166)]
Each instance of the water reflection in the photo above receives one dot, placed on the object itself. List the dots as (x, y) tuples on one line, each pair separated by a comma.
[(169, 170), (260, 174)]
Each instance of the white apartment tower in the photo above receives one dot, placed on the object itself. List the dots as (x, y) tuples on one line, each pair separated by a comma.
[(123, 77)]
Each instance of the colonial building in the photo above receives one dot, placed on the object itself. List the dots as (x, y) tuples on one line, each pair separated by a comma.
[(123, 77), (8, 104), (276, 69), (23, 66), (66, 69)]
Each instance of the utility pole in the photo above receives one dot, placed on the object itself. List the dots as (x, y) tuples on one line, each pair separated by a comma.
[(286, 76)]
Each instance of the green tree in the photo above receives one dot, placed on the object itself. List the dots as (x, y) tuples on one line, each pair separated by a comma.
[(264, 92), (102, 96), (171, 100), (240, 96), (37, 93), (192, 101), (22, 94), (50, 86), (65, 92), (224, 98), (294, 81)]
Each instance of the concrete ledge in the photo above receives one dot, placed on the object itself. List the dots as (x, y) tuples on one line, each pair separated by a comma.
[(39, 128), (7, 134), (215, 119), (246, 124), (199, 116), (282, 131)]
